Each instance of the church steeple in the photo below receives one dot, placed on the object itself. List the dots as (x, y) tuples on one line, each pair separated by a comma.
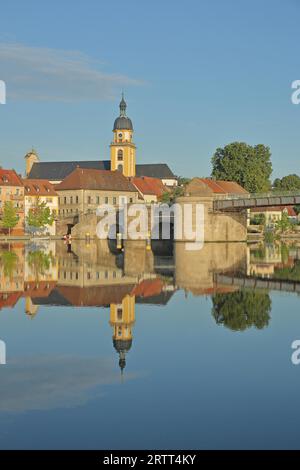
[(122, 148), (122, 318), (123, 106)]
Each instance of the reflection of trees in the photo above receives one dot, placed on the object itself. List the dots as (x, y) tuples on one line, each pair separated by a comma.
[(242, 309), (9, 262), (39, 262), (288, 273)]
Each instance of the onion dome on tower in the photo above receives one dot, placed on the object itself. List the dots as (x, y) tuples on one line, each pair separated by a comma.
[(123, 122)]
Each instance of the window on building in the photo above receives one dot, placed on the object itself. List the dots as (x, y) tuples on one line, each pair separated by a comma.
[(65, 200), (120, 155), (120, 168), (106, 200), (119, 314), (71, 200), (77, 199), (98, 200), (114, 200), (89, 200)]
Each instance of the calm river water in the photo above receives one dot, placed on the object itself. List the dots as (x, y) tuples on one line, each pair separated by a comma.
[(106, 349)]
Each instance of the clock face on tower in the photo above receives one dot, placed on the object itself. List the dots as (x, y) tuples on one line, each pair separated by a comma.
[(120, 135)]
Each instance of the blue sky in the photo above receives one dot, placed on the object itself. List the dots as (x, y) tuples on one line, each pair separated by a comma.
[(197, 74)]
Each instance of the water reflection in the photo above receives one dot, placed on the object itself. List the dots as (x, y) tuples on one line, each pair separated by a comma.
[(237, 277), (96, 338)]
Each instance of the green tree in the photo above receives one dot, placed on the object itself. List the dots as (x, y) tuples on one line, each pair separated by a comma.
[(258, 219), (176, 191), (9, 261), (249, 166), (10, 218), (242, 309), (39, 216), (287, 183), (39, 262), (288, 273), (284, 224)]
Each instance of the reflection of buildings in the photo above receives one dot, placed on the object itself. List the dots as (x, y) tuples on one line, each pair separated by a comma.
[(89, 275), (263, 260), (26, 271), (11, 274), (195, 270)]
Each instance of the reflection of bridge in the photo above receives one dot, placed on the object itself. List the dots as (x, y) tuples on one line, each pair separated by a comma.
[(257, 283), (248, 201)]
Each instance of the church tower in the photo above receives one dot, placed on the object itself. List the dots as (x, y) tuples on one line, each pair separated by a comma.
[(122, 148), (30, 158), (122, 318)]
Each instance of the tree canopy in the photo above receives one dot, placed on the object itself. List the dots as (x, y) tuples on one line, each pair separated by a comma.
[(242, 309), (250, 166), (287, 183), (39, 216), (10, 218)]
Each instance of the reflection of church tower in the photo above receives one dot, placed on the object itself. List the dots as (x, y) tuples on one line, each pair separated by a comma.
[(122, 148), (122, 318), (30, 309)]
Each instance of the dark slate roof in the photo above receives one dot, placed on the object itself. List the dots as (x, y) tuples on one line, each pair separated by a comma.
[(154, 170), (123, 122), (57, 171), (55, 298)]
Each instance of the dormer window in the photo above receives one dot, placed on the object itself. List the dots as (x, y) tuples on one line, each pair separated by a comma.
[(5, 179)]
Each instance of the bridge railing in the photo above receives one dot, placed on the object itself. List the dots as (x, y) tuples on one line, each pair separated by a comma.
[(263, 195)]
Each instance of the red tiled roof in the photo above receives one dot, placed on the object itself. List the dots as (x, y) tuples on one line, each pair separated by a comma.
[(224, 187), (38, 288), (37, 187), (231, 187), (212, 290), (10, 178), (148, 288), (9, 300), (290, 210), (83, 178), (213, 185), (147, 185), (95, 295)]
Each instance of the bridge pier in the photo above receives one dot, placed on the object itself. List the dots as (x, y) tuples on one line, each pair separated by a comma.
[(229, 226)]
